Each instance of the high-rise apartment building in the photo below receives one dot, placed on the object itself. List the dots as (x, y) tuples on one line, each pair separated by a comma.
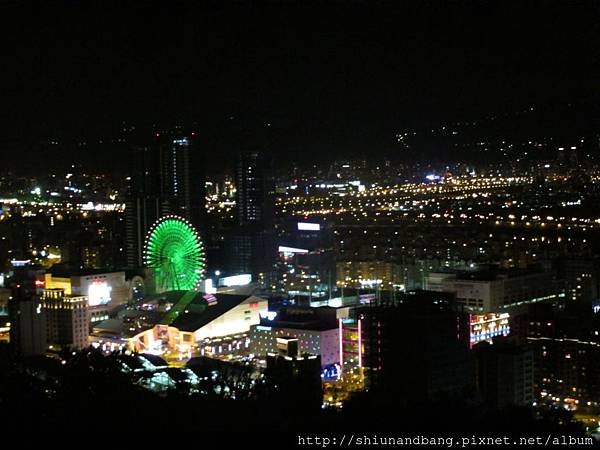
[(505, 374), (254, 191), (251, 247)]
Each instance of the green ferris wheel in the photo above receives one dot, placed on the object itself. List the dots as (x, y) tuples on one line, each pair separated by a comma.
[(174, 250)]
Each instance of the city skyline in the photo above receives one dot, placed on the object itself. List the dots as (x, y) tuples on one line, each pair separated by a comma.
[(301, 223)]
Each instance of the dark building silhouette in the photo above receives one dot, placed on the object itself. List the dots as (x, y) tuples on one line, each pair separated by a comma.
[(254, 190), (505, 374), (145, 204), (251, 246), (294, 380), (581, 282), (167, 177), (417, 347), (26, 313)]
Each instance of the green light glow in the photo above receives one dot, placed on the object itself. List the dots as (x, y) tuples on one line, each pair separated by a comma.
[(174, 250)]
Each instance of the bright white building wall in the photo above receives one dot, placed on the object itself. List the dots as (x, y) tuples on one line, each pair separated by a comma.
[(236, 320)]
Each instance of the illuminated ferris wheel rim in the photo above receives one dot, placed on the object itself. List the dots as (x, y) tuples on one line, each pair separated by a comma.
[(162, 220), (195, 260)]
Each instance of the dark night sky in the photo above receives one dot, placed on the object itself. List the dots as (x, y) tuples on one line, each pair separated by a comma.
[(331, 77)]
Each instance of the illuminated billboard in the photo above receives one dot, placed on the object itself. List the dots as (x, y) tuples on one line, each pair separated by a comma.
[(209, 287), (236, 280), (284, 249), (20, 262), (99, 293), (305, 226), (267, 315), (484, 327)]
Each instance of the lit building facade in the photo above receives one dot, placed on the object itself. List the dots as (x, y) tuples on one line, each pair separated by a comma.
[(374, 274), (104, 291), (67, 319), (306, 265), (316, 330), (323, 342), (496, 291), (196, 317), (567, 371), (351, 346), (100, 288)]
